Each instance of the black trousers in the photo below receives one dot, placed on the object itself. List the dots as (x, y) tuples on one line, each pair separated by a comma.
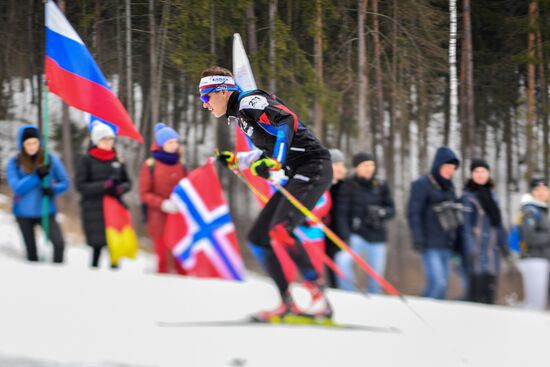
[(26, 225), (96, 255), (482, 288), (331, 251), (307, 183)]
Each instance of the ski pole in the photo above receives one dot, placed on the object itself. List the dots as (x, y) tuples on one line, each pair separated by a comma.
[(327, 260)]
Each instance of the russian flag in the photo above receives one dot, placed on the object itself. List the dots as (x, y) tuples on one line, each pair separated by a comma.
[(72, 74)]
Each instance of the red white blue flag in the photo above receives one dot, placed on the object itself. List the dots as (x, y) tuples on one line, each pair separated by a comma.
[(72, 74), (204, 241)]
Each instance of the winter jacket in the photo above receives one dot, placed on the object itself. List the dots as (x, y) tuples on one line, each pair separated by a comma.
[(156, 182), (426, 231), (274, 128), (27, 187), (91, 174), (482, 243), (535, 227), (363, 208)]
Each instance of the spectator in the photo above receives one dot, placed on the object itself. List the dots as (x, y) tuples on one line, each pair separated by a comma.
[(27, 173), (158, 176), (364, 205), (99, 173), (434, 219), (535, 233), (338, 175), (483, 235)]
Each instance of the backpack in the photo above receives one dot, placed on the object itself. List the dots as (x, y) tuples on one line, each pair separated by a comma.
[(515, 242)]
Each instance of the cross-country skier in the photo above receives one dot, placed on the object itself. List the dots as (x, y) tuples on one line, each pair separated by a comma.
[(287, 151)]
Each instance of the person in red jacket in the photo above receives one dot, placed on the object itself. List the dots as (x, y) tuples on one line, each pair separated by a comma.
[(158, 176)]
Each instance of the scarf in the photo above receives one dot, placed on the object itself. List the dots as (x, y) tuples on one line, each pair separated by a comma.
[(166, 158), (484, 194), (102, 154)]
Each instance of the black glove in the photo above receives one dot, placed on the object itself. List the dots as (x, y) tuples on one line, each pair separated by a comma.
[(43, 170), (263, 165), (110, 186), (417, 246), (47, 191), (122, 188), (226, 158)]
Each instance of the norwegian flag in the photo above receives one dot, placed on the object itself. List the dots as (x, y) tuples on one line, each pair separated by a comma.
[(203, 237)]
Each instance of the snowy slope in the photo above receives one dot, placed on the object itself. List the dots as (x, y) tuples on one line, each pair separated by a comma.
[(73, 316)]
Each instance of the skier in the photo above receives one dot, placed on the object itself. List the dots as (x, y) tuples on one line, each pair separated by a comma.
[(288, 154)]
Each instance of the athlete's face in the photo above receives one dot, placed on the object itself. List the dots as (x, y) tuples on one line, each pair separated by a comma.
[(217, 103)]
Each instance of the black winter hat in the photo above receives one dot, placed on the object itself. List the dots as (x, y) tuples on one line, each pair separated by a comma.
[(30, 133), (478, 162), (537, 182), (361, 157)]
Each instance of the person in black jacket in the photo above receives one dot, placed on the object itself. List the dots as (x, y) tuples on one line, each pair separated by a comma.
[(288, 154), (434, 222), (339, 171), (364, 206), (99, 173)]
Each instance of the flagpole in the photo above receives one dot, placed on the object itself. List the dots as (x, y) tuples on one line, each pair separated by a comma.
[(46, 179)]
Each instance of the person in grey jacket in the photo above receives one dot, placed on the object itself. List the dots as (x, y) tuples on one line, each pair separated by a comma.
[(535, 233)]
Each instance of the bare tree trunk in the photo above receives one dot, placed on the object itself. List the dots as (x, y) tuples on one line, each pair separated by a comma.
[(129, 81), (509, 168), (531, 113), (469, 77), (96, 31), (390, 157), (544, 103), (35, 74), (251, 28), (422, 121), (363, 136), (380, 130), (272, 45), (122, 92), (318, 61), (152, 68), (453, 93)]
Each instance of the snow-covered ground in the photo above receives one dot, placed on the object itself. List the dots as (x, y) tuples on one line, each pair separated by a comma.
[(71, 315)]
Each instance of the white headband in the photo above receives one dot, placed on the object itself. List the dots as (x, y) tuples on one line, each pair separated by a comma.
[(216, 83)]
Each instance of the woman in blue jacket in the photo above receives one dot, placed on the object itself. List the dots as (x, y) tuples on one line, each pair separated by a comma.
[(25, 173), (483, 234)]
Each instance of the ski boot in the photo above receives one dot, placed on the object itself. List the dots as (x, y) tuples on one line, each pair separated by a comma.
[(320, 307), (286, 311)]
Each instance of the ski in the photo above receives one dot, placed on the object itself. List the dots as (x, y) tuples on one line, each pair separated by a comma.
[(287, 321)]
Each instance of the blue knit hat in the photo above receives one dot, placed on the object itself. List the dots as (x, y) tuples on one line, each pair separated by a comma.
[(164, 133)]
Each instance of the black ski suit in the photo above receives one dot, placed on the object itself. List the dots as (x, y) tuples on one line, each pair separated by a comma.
[(276, 130)]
